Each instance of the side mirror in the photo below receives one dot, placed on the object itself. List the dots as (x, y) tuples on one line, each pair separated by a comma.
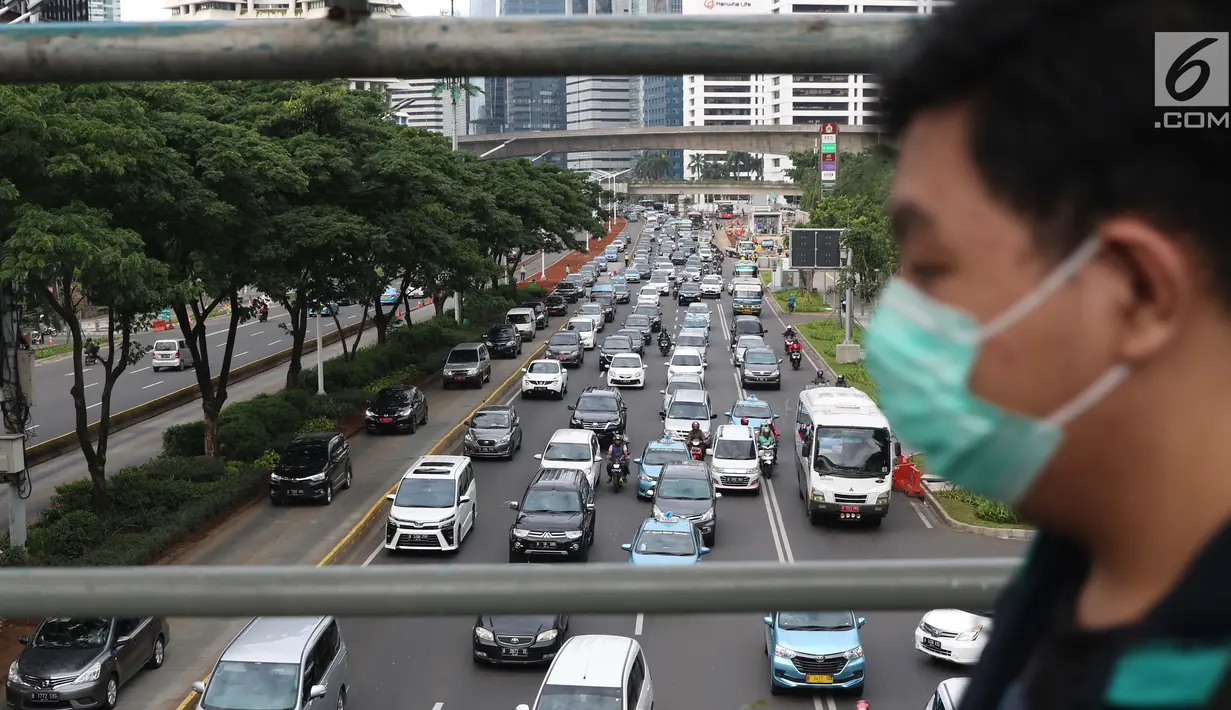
[(779, 362), (726, 414), (317, 691), (627, 547), (538, 457), (705, 364), (589, 506), (463, 499), (523, 706), (637, 461), (572, 407), (705, 550), (512, 504), (713, 415), (662, 415), (769, 620), (861, 621), (775, 416), (23, 640), (526, 370), (391, 497), (122, 641), (198, 686), (897, 448)]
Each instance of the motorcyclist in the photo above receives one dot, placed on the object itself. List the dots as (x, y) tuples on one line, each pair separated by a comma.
[(820, 377), (841, 381), (616, 453), (664, 338), (767, 436), (790, 303), (696, 437), (91, 348)]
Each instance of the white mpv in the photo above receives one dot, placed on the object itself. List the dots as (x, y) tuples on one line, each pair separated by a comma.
[(626, 370), (434, 506), (734, 465)]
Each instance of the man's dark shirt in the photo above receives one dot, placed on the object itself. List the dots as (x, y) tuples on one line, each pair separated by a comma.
[(1176, 657)]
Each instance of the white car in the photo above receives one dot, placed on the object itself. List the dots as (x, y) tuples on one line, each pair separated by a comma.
[(544, 377), (584, 327), (686, 361), (703, 309), (692, 338), (734, 464), (741, 346), (680, 383), (948, 694), (594, 312), (648, 296), (577, 449), (626, 370), (661, 281), (434, 506), (711, 286), (953, 635), (619, 244)]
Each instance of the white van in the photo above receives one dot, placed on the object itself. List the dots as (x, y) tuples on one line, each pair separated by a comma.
[(734, 465), (686, 361), (170, 354), (596, 671), (524, 320), (844, 453), (434, 506), (583, 326)]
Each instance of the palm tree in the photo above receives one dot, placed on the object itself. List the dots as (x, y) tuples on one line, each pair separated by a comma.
[(697, 164), (458, 89), (653, 166)]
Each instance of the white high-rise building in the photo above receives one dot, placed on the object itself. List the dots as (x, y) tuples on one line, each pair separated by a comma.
[(268, 9), (415, 105), (104, 10), (599, 101)]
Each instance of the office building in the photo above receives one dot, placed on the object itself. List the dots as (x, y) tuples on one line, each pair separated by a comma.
[(658, 100), (12, 11), (104, 10), (269, 9), (599, 101)]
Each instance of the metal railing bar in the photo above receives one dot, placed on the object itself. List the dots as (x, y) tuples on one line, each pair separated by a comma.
[(414, 590), (433, 47)]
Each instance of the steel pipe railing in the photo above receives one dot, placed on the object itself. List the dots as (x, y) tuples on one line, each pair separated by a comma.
[(413, 590), (432, 47)]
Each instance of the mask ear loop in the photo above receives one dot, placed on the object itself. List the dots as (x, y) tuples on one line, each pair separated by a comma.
[(1045, 290), (1091, 396)]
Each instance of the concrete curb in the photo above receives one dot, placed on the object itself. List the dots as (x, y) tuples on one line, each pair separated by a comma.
[(1002, 533), (51, 448)]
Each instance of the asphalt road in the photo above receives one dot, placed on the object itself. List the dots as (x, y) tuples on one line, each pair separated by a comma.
[(703, 662)]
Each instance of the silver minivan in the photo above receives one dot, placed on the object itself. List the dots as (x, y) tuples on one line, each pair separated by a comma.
[(686, 407), (290, 662)]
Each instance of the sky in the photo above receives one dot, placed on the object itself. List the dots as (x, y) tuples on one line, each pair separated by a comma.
[(152, 10)]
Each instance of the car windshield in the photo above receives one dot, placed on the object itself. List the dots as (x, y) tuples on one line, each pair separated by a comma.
[(684, 489), (750, 341), (761, 357), (683, 384), (666, 542), (686, 360), (749, 326), (633, 335), (520, 318), (638, 321), (591, 308), (816, 620), (466, 355), (563, 339), (597, 404), (695, 320), (392, 398), (497, 332), (695, 411), (860, 452), (735, 449), (164, 346), (581, 326), (491, 420), (752, 410), (72, 634), (301, 452), (626, 361), (699, 308), (425, 493), (538, 501), (617, 343), (690, 341), (569, 697), (246, 685), (567, 451), (660, 456), (544, 368)]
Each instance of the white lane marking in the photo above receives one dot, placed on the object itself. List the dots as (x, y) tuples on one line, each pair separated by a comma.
[(438, 706), (274, 343), (92, 384), (824, 702), (640, 625), (141, 370), (256, 333), (93, 406), (245, 325), (32, 428), (153, 384), (352, 317), (922, 516), (372, 556), (238, 355), (223, 344)]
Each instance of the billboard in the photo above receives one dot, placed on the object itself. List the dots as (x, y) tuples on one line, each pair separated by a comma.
[(816, 248), (718, 8)]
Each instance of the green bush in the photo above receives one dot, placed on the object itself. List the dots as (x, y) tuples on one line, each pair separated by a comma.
[(985, 509), (318, 424), (74, 534), (407, 374), (202, 469), (184, 439), (243, 437), (268, 460)]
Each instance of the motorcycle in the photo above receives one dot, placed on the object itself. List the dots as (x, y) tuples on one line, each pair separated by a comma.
[(264, 316), (766, 456), (697, 452), (664, 347), (616, 474), (797, 358), (90, 360)]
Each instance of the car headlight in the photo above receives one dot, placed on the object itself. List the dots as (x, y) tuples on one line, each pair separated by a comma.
[(483, 634), (14, 676), (783, 652), (505, 439), (573, 534), (547, 636), (469, 437), (472, 371), (707, 516), (856, 652), (970, 634), (90, 674), (518, 532), (275, 478), (406, 412), (645, 477), (882, 498), (368, 413), (316, 478)]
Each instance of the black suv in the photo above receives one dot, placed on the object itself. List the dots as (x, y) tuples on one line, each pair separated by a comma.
[(312, 468), (746, 325), (540, 312), (398, 408), (556, 305), (613, 345), (601, 410), (654, 313), (570, 291), (686, 490), (688, 293), (565, 347), (504, 339), (608, 304), (555, 517)]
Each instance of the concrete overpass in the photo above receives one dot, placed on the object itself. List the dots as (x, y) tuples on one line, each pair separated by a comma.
[(754, 188), (777, 140)]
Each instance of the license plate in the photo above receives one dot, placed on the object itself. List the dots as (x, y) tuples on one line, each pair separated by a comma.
[(931, 643), (386, 420), (513, 651), (460, 378), (41, 696), (294, 492), (850, 509), (423, 538), (545, 545), (827, 679), (487, 448)]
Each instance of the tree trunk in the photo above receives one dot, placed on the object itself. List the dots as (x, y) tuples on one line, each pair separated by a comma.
[(298, 328), (363, 321), (439, 305), (380, 321)]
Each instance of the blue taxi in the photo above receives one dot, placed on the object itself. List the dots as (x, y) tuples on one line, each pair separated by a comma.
[(814, 649), (696, 320), (756, 411), (666, 541), (650, 465)]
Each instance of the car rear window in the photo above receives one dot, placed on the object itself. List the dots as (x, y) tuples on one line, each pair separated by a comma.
[(165, 346)]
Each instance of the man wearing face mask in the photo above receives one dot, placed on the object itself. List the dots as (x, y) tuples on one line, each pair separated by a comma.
[(1059, 333)]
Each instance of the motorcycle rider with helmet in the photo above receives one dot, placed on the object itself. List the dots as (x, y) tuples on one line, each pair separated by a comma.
[(91, 349), (767, 438), (696, 438), (664, 339), (841, 381), (617, 453)]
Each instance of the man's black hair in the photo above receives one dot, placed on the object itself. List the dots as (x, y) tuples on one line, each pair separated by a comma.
[(1061, 97)]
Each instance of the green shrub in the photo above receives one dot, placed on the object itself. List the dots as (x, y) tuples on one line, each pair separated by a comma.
[(327, 407), (71, 536), (355, 399), (318, 424), (74, 495), (274, 411), (268, 460), (243, 438), (203, 469), (184, 439), (406, 375), (986, 509)]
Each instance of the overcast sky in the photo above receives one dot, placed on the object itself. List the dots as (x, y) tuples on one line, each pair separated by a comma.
[(152, 10)]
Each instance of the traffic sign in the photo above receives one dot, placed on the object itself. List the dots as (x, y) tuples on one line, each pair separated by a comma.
[(828, 128), (829, 139)]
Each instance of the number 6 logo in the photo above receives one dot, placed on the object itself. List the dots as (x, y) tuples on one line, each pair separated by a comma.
[(1183, 64)]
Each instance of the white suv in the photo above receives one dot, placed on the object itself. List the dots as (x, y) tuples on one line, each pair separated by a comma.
[(734, 465), (544, 377), (578, 449), (434, 506)]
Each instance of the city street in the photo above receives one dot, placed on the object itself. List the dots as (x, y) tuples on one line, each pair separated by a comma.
[(702, 662)]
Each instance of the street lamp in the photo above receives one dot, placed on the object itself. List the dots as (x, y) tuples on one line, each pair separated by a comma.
[(610, 178), (493, 150)]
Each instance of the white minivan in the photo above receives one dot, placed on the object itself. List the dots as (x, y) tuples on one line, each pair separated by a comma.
[(171, 354), (523, 319), (686, 361), (596, 671), (734, 465)]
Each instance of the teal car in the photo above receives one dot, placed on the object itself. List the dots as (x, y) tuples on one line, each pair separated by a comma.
[(666, 541), (650, 465), (816, 650), (696, 320), (756, 411)]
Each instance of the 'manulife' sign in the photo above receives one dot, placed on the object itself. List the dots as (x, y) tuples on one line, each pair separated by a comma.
[(816, 248)]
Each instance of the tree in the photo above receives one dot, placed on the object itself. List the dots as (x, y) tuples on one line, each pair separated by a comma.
[(653, 165), (457, 89)]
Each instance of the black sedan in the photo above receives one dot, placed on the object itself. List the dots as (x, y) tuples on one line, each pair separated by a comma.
[(556, 305), (503, 339), (613, 345), (493, 432), (639, 323), (636, 337), (654, 313), (399, 408), (516, 639)]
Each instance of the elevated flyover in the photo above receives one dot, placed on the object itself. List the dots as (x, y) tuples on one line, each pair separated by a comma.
[(754, 188), (776, 140)]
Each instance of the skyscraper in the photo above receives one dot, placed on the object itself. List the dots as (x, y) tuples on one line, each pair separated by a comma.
[(45, 11), (104, 10), (599, 101)]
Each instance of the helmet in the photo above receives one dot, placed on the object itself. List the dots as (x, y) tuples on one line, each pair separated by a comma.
[(744, 421), (752, 397), (616, 437), (696, 426), (820, 373)]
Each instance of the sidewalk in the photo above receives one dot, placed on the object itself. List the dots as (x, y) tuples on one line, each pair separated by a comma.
[(573, 261)]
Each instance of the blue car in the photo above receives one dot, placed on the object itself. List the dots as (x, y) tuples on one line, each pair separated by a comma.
[(696, 320), (666, 541), (756, 411), (389, 297), (814, 649), (612, 253), (655, 455)]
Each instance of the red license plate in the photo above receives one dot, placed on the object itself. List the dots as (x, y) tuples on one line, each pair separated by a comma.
[(459, 378), (850, 509), (386, 420)]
